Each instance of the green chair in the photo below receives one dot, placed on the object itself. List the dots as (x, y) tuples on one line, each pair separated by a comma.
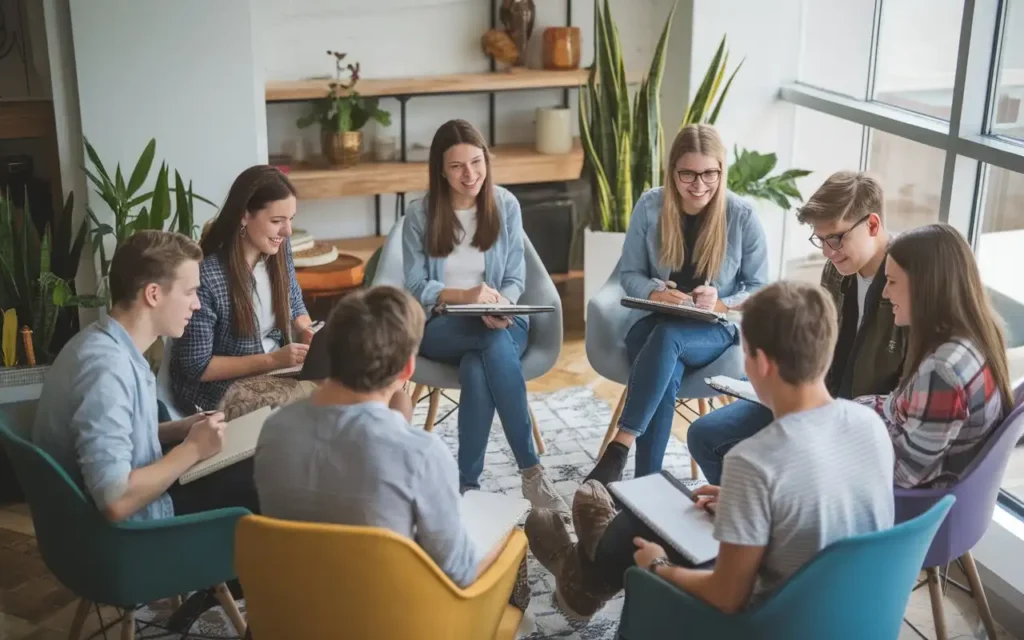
[(122, 564)]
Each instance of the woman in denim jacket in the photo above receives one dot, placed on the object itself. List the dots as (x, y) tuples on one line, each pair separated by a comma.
[(690, 242), (463, 244)]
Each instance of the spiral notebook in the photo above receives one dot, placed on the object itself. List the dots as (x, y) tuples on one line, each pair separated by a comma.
[(489, 517), (240, 437), (491, 309), (731, 386), (664, 504), (683, 310)]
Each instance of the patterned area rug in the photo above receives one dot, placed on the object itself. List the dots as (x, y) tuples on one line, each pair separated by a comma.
[(573, 422)]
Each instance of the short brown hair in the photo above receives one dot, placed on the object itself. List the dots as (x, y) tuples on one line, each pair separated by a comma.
[(146, 257), (845, 195), (795, 325), (372, 333)]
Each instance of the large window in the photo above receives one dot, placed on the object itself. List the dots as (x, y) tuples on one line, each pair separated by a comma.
[(931, 98)]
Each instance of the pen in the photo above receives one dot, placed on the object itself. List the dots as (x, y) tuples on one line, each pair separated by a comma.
[(200, 410)]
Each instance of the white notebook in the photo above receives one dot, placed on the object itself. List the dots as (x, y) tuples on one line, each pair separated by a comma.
[(489, 517), (737, 388), (240, 436), (664, 507)]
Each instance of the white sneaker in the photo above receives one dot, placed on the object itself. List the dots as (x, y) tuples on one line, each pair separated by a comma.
[(537, 488)]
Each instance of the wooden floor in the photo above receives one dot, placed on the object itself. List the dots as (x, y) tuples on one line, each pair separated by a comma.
[(34, 606)]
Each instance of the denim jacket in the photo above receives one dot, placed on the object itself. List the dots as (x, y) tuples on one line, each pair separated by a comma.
[(744, 267), (504, 262)]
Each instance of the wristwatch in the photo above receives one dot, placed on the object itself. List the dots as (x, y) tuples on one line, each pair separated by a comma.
[(662, 561)]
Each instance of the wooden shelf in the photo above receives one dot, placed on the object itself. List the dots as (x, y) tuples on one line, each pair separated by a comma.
[(284, 91), (512, 164), (26, 118)]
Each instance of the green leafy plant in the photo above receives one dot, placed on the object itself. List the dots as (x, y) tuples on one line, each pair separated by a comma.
[(748, 175), (700, 110), (132, 210), (343, 109), (37, 273)]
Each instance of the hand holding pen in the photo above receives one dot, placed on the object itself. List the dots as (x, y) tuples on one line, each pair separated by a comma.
[(668, 293)]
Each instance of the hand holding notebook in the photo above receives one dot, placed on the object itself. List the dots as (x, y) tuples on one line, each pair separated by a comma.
[(240, 437)]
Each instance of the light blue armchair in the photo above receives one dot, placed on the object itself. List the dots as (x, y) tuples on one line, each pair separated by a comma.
[(545, 337), (608, 322)]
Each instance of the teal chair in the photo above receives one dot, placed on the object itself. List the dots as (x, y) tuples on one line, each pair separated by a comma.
[(856, 588), (122, 564)]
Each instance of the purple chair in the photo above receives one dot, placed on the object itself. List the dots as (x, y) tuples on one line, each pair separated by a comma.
[(976, 494)]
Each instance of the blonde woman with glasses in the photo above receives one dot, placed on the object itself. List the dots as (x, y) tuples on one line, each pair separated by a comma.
[(689, 242)]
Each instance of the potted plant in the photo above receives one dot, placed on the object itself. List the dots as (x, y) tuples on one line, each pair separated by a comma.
[(342, 114)]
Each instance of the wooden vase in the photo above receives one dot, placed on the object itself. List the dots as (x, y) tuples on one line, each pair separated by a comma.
[(342, 149), (562, 48)]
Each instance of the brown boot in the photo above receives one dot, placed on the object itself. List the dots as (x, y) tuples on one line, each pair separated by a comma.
[(579, 590), (592, 510), (549, 538)]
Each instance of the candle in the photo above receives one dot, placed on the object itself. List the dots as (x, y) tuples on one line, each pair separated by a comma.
[(554, 130)]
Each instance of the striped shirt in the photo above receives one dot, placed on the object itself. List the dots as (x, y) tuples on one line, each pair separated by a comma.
[(803, 482), (942, 417)]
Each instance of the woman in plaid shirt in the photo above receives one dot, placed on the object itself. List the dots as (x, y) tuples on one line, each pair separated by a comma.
[(956, 385), (253, 319)]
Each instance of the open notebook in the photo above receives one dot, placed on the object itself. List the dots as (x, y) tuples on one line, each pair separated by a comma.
[(731, 386), (489, 517), (661, 501), (240, 436)]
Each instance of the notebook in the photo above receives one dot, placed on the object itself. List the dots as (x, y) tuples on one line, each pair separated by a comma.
[(288, 371), (683, 310), (489, 517), (663, 503), (240, 436), (491, 309), (731, 386)]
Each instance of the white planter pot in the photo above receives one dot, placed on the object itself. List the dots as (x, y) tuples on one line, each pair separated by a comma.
[(601, 251)]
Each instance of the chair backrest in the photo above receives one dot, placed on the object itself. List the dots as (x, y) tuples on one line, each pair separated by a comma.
[(827, 598), (164, 393), (313, 581), (67, 524), (976, 493)]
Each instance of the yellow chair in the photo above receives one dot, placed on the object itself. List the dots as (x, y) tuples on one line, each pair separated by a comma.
[(312, 581)]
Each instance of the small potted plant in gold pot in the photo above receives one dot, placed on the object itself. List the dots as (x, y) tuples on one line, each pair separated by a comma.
[(342, 114)]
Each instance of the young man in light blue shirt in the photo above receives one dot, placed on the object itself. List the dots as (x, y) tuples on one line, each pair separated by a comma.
[(97, 413)]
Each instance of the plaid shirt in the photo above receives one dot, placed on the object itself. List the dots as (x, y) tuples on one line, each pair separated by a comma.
[(942, 417), (211, 332)]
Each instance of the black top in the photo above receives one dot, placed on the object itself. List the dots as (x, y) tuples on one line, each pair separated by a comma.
[(687, 279)]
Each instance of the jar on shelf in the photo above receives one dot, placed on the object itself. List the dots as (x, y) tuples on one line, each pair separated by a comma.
[(562, 48)]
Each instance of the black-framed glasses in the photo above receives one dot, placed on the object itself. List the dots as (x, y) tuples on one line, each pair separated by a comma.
[(710, 176), (835, 240)]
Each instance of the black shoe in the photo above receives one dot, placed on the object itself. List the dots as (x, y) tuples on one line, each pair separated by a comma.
[(186, 615)]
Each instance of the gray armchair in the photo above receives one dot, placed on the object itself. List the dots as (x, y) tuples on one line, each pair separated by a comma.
[(608, 322), (545, 336)]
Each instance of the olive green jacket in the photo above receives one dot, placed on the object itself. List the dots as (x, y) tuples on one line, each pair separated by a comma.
[(868, 360)]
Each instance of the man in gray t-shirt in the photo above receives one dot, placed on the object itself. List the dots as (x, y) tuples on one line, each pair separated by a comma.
[(822, 471)]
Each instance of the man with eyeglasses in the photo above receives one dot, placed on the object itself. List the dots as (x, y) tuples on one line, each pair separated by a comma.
[(846, 214)]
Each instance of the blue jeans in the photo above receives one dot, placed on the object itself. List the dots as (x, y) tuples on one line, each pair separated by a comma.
[(710, 437), (661, 349), (491, 378)]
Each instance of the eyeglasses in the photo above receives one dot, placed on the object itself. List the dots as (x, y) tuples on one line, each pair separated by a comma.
[(835, 240), (710, 176)]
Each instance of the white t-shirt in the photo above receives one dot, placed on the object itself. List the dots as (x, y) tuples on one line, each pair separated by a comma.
[(862, 293), (263, 304), (464, 267)]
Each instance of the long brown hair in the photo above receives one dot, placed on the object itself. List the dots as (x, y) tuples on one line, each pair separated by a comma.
[(252, 190), (947, 300), (710, 245), (443, 228)]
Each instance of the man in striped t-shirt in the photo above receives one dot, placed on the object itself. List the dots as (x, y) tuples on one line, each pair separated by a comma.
[(821, 471)]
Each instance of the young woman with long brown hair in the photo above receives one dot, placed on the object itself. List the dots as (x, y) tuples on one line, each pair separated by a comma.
[(955, 387), (710, 245), (462, 244), (253, 319)]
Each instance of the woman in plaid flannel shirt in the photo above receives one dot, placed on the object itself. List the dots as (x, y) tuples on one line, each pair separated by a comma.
[(956, 385)]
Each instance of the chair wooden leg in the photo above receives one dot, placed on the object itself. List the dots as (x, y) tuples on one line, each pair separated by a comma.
[(694, 470), (435, 397), (978, 592), (416, 391), (613, 426), (128, 625), (227, 602), (537, 439), (935, 591), (79, 620)]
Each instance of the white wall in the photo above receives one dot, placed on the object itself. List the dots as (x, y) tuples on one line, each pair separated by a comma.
[(425, 38), (182, 72)]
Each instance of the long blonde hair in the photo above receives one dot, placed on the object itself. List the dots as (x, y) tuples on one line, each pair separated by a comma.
[(710, 246), (947, 300)]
